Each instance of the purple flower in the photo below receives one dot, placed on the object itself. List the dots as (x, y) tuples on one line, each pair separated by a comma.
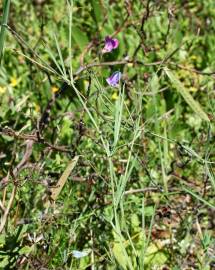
[(114, 79), (110, 44)]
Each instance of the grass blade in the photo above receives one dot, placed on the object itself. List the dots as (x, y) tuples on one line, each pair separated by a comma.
[(118, 117), (199, 198), (6, 9), (70, 6), (60, 56), (210, 174), (195, 106), (55, 61)]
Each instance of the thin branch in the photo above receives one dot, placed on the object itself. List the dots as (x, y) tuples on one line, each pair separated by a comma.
[(193, 69), (141, 190), (31, 138), (114, 63)]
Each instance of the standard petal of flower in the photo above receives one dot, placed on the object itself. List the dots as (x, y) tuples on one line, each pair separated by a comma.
[(114, 79)]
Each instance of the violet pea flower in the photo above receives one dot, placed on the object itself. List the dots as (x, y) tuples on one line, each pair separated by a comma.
[(114, 79), (110, 44)]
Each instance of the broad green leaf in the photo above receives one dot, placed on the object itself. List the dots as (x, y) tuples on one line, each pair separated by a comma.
[(149, 211), (195, 106), (120, 252), (80, 37), (155, 256), (119, 255)]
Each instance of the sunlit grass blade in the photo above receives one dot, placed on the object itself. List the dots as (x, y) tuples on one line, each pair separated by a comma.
[(199, 198), (187, 149), (210, 174), (194, 105), (60, 56), (41, 66), (118, 117), (55, 61), (70, 6), (124, 179), (132, 244), (5, 16)]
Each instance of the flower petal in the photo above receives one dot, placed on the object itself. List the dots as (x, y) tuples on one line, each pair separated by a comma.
[(110, 44), (115, 43), (114, 79)]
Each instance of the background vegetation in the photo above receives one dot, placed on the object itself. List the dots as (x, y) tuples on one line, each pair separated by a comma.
[(100, 177)]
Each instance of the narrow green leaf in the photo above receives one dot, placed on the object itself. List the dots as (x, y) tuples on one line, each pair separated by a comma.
[(118, 117), (195, 106), (210, 174), (55, 191), (26, 250), (55, 61), (199, 198), (97, 10), (60, 55), (6, 9)]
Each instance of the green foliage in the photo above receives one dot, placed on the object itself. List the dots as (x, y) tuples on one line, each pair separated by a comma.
[(100, 177)]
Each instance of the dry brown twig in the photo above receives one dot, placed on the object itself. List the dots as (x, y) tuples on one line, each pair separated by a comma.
[(32, 138)]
